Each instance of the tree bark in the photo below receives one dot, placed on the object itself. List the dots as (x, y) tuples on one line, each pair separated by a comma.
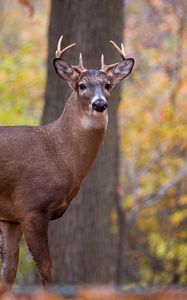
[(81, 241)]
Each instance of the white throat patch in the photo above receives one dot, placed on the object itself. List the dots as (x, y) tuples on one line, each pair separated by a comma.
[(95, 120)]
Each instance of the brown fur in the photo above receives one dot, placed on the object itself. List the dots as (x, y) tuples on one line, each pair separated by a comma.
[(42, 173), (41, 169)]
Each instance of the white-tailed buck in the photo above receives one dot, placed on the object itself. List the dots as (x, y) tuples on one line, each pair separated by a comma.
[(42, 167)]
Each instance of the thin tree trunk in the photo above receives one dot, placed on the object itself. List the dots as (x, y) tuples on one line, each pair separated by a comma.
[(81, 241)]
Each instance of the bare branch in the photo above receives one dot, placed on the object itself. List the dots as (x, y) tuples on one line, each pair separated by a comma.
[(151, 200)]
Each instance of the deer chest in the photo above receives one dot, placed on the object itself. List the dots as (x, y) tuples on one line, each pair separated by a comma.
[(61, 207)]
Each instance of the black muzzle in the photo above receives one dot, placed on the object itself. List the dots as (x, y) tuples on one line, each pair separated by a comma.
[(99, 105)]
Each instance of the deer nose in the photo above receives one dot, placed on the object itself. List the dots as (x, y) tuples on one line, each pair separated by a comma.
[(99, 105)]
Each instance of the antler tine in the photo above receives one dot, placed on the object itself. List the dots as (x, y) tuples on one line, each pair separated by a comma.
[(80, 68), (80, 60), (105, 68), (81, 63), (121, 51), (59, 52), (59, 43), (102, 62)]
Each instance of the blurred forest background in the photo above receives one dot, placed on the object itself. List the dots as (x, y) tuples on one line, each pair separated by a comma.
[(150, 218)]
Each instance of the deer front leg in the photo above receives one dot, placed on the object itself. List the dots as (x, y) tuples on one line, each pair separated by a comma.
[(35, 229), (10, 243)]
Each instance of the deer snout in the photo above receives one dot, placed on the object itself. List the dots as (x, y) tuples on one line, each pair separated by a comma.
[(99, 105)]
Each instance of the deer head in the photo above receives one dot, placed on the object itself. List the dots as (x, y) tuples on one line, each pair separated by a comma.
[(92, 86)]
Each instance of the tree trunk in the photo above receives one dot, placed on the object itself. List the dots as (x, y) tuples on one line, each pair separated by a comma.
[(81, 241)]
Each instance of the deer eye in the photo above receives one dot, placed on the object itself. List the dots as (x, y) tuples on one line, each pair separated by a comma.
[(82, 86), (107, 86)]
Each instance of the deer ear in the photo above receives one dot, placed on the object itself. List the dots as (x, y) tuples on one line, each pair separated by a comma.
[(66, 71), (122, 70)]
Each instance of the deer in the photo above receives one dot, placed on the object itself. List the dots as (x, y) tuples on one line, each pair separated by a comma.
[(42, 167)]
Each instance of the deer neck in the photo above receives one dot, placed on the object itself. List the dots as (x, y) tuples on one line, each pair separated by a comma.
[(79, 136)]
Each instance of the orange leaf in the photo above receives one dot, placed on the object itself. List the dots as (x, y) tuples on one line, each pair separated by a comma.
[(29, 5)]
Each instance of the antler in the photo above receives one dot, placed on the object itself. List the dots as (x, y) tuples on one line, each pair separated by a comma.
[(80, 68), (59, 53), (121, 51), (105, 68)]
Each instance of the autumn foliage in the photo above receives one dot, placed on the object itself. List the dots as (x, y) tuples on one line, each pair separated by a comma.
[(153, 194)]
